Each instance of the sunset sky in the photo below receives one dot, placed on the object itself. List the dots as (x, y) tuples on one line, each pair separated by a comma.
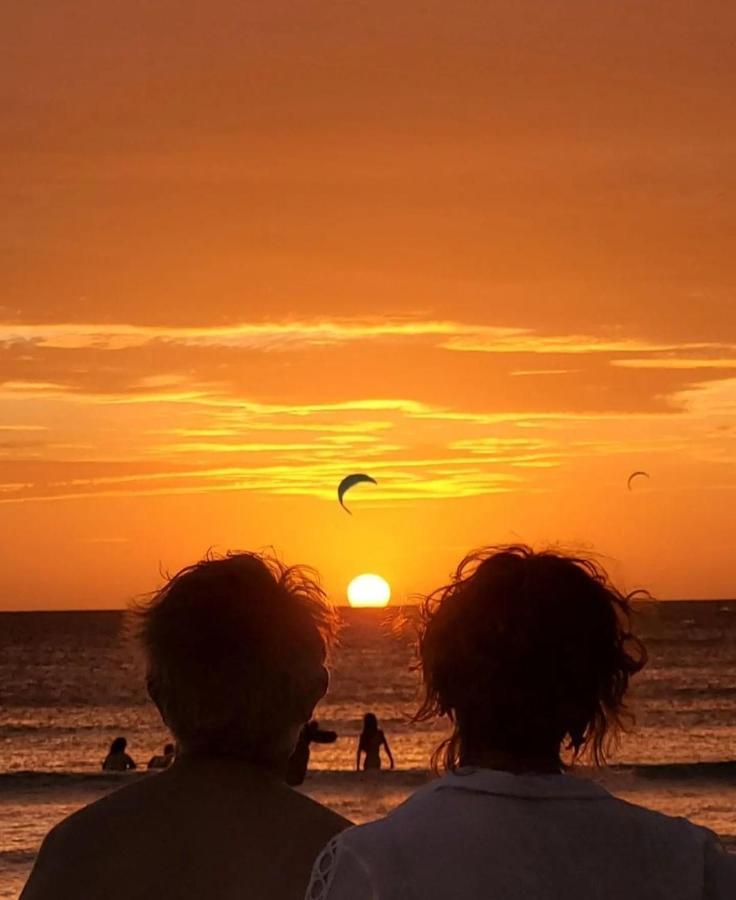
[(482, 251)]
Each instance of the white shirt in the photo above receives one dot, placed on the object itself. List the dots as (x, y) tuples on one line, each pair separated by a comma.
[(486, 834)]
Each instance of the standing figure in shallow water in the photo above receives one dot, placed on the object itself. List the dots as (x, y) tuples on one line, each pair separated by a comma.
[(370, 742)]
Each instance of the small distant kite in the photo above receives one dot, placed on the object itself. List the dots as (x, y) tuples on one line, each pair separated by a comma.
[(636, 475), (350, 481)]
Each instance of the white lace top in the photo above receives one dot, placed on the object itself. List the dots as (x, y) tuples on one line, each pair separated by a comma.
[(337, 870), (486, 834)]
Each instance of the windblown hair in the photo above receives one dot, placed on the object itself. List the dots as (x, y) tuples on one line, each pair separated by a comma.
[(235, 648), (526, 653)]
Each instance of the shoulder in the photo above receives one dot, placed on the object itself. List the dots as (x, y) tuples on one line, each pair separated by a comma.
[(71, 847), (319, 817), (132, 795), (364, 861), (339, 874), (678, 839), (381, 839), (431, 804), (660, 825), (719, 871)]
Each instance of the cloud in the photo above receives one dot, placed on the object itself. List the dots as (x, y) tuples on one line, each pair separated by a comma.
[(343, 428), (32, 388), (159, 430), (676, 363), (433, 361), (529, 342), (532, 372), (524, 452), (440, 477), (715, 399), (415, 450), (468, 337), (281, 335)]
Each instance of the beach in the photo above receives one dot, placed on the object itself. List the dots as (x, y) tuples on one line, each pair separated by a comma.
[(73, 681)]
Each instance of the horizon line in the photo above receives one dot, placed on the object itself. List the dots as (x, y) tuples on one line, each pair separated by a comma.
[(341, 606)]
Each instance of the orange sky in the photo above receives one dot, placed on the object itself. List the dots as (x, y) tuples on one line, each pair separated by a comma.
[(484, 252)]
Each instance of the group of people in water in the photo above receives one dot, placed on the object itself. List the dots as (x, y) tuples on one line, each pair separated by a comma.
[(118, 759), (371, 741), (528, 656)]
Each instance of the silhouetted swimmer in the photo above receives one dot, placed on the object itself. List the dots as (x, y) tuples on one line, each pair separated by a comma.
[(164, 760), (117, 760), (311, 733), (370, 742), (235, 653)]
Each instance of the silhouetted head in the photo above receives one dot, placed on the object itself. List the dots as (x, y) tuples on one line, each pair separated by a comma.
[(370, 723), (526, 653), (169, 750), (236, 649), (118, 745)]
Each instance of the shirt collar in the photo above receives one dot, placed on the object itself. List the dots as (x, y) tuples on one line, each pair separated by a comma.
[(532, 787)]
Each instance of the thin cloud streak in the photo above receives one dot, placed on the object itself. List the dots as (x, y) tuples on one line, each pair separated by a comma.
[(248, 335), (287, 335), (675, 363), (414, 409), (566, 345), (315, 480)]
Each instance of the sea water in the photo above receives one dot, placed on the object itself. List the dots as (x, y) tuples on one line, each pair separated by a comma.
[(70, 682)]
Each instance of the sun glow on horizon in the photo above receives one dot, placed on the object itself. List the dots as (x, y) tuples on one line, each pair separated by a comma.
[(368, 590)]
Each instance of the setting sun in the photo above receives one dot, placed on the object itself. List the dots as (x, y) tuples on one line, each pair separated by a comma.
[(369, 590)]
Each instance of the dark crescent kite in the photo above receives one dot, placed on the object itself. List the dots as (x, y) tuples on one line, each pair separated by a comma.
[(348, 482), (636, 475)]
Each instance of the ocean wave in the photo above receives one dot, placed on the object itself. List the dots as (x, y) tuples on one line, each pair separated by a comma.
[(22, 780), (720, 770), (17, 857)]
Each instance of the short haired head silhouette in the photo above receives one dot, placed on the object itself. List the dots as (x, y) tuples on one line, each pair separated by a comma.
[(119, 745), (527, 653), (236, 649)]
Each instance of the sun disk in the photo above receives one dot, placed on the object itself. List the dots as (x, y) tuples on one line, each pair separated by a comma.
[(368, 591)]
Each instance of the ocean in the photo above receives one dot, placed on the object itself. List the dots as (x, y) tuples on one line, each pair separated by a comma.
[(71, 681)]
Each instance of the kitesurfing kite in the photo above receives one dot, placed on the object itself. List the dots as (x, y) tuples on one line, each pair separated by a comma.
[(348, 482), (636, 475)]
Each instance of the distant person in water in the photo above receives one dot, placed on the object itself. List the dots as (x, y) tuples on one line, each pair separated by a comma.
[(236, 649), (117, 760), (164, 760), (529, 655), (371, 740), (311, 733)]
